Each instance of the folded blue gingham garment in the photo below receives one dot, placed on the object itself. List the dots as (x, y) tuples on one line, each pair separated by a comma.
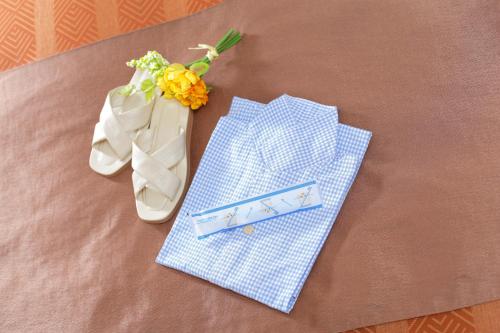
[(257, 149)]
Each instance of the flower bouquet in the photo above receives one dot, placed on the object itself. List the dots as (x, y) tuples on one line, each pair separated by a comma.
[(184, 82)]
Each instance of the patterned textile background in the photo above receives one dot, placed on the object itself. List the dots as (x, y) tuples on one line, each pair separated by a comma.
[(34, 29)]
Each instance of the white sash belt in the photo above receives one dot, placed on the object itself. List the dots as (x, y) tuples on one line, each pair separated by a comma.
[(264, 207)]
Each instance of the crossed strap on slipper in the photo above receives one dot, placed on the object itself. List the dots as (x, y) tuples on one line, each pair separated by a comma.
[(160, 162), (121, 118)]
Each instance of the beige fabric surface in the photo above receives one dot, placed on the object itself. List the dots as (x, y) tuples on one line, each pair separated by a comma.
[(418, 233)]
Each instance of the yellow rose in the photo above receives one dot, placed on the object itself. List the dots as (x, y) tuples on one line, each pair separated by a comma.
[(184, 85)]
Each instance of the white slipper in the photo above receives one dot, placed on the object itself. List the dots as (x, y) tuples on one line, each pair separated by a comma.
[(120, 120), (160, 159)]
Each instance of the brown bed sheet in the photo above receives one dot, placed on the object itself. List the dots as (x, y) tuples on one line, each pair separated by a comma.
[(418, 233)]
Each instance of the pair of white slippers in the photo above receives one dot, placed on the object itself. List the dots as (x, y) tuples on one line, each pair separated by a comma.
[(154, 135)]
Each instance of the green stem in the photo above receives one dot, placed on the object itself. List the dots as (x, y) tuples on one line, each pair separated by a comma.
[(231, 38)]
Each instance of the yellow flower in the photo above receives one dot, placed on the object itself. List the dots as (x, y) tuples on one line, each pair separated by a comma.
[(184, 85)]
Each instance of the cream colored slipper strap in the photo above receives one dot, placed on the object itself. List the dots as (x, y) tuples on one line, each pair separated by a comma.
[(149, 171)]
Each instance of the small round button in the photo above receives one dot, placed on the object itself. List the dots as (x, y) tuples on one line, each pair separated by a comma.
[(248, 229)]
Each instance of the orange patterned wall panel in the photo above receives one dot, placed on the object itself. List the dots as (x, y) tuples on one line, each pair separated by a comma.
[(454, 321), (17, 33), (34, 29), (75, 23), (194, 6), (371, 329), (136, 14)]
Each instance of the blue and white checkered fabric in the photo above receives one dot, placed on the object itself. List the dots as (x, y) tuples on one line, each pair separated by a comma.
[(256, 149)]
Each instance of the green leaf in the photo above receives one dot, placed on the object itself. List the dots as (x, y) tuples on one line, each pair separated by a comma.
[(199, 68), (149, 95), (127, 90), (148, 87)]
